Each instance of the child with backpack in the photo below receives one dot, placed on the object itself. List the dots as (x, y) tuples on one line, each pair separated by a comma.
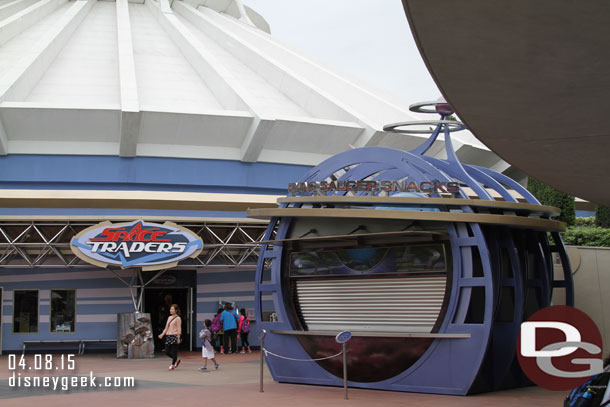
[(243, 330), (207, 350)]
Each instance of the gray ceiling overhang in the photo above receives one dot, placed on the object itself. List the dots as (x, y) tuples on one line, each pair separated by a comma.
[(531, 79)]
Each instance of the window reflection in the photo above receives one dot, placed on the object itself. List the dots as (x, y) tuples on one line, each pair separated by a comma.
[(63, 305), (384, 260)]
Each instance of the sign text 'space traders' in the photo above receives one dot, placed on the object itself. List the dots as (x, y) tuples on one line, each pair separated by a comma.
[(136, 244)]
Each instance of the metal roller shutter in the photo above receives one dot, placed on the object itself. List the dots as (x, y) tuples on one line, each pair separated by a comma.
[(410, 304)]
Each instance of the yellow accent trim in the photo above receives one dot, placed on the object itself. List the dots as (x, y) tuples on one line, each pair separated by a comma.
[(550, 210), (508, 220), (26, 198), (100, 218)]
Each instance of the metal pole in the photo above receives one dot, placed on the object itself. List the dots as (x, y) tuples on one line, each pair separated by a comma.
[(262, 363), (342, 338), (345, 369), (141, 287)]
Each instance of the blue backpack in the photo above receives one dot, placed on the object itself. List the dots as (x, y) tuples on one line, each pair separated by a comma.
[(589, 394)]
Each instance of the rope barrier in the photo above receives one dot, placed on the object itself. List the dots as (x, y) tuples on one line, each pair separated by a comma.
[(300, 360)]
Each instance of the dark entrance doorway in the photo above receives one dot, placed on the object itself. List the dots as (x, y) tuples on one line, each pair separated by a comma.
[(157, 302), (1, 299)]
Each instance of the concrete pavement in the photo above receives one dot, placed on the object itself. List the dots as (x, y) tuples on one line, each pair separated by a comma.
[(235, 383)]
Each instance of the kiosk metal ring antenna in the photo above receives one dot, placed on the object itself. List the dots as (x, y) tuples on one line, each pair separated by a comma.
[(446, 125), (438, 107)]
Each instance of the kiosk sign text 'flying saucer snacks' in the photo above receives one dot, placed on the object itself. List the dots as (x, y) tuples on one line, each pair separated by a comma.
[(136, 244)]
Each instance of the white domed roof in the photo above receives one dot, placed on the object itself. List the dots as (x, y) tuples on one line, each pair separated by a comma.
[(193, 78)]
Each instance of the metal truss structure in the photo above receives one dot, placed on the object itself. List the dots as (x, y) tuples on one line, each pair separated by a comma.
[(46, 244)]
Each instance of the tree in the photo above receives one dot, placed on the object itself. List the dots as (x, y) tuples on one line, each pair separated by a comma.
[(602, 216), (547, 195)]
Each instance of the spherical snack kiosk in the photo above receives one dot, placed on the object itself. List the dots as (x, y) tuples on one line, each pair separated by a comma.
[(431, 264)]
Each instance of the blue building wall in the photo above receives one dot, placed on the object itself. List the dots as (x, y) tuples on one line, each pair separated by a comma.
[(25, 171), (230, 284), (100, 296)]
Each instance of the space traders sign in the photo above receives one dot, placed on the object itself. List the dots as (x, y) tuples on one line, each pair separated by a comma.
[(150, 246)]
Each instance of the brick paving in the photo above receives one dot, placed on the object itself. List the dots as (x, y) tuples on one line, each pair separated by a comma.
[(236, 382)]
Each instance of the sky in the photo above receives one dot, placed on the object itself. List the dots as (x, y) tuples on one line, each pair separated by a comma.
[(369, 39)]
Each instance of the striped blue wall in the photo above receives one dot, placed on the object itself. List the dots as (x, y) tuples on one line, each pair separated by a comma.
[(230, 284), (100, 296)]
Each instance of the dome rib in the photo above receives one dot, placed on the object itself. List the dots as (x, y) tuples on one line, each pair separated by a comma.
[(131, 117)]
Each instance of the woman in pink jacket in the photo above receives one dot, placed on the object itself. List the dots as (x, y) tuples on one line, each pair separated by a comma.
[(172, 333)]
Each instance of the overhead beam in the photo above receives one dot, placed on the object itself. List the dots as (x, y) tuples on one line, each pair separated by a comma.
[(243, 16), (3, 140), (309, 85), (131, 117), (255, 139), (165, 7), (20, 21), (460, 149), (500, 166), (295, 87), (19, 80), (221, 82), (12, 7)]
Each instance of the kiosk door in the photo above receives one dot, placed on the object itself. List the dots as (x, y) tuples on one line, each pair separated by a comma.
[(189, 322), (1, 299)]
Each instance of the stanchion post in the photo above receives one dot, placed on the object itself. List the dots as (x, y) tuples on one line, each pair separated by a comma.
[(345, 370), (342, 338), (261, 336)]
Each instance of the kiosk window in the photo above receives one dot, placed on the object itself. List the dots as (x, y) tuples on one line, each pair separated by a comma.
[(25, 311), (63, 306), (420, 258)]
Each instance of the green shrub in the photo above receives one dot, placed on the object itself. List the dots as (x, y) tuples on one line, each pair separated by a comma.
[(587, 236), (602, 216), (585, 222), (547, 195)]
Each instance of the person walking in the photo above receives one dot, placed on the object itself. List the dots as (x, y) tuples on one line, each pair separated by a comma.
[(229, 320), (207, 350), (172, 334), (243, 330)]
